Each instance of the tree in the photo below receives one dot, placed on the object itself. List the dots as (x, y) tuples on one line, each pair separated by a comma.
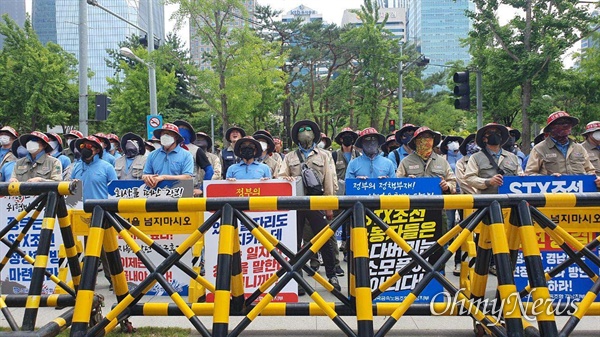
[(130, 97), (520, 54), (38, 85)]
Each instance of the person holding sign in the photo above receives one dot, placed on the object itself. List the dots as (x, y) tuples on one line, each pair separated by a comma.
[(131, 165), (170, 161), (486, 168), (558, 154), (305, 133), (423, 162), (592, 143), (371, 164), (37, 165), (248, 148)]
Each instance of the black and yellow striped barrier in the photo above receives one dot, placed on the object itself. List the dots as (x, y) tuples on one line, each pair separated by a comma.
[(496, 241), (50, 200)]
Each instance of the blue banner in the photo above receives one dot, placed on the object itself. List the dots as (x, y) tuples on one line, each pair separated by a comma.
[(419, 227), (394, 186), (548, 184)]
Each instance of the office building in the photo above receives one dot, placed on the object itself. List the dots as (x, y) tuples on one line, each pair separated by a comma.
[(437, 27), (198, 47), (303, 12), (396, 22), (15, 10), (591, 41), (393, 3), (57, 21)]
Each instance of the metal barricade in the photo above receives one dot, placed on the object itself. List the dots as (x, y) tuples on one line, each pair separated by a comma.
[(495, 241)]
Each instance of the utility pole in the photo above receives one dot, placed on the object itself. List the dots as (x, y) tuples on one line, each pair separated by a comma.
[(151, 70), (83, 68), (400, 94)]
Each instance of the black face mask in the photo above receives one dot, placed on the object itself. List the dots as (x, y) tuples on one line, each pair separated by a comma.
[(86, 153), (406, 137), (130, 153), (494, 139), (347, 140), (202, 143), (247, 153)]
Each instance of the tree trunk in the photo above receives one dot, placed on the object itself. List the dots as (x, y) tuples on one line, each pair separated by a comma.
[(525, 102)]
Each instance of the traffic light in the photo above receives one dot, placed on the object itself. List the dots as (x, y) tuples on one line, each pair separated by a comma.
[(392, 125), (462, 90), (102, 110)]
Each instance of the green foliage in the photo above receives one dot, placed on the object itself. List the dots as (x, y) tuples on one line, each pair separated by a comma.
[(519, 59), (38, 85)]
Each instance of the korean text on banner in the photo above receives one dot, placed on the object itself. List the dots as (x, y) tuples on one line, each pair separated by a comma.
[(420, 228), (257, 264), (581, 222)]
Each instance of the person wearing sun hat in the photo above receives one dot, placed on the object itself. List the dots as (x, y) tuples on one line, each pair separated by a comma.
[(106, 156), (248, 149), (403, 136), (170, 161), (592, 143), (7, 136), (305, 133), (69, 138), (57, 150), (130, 166), (36, 166), (423, 162), (371, 164), (204, 142), (486, 168), (390, 144), (115, 145), (450, 150), (267, 157), (91, 170), (6, 170), (558, 154), (228, 156)]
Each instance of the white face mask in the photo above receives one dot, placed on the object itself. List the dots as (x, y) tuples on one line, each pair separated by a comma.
[(167, 140), (69, 142), (4, 140), (32, 147), (264, 146), (453, 146), (596, 136), (321, 145)]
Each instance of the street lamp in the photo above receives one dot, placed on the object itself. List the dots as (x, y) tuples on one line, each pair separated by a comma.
[(151, 77)]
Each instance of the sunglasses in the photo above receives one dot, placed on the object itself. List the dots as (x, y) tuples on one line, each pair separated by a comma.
[(248, 147), (306, 128), (86, 146)]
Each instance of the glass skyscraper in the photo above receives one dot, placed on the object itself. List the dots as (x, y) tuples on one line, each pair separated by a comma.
[(436, 27), (57, 21), (15, 10)]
